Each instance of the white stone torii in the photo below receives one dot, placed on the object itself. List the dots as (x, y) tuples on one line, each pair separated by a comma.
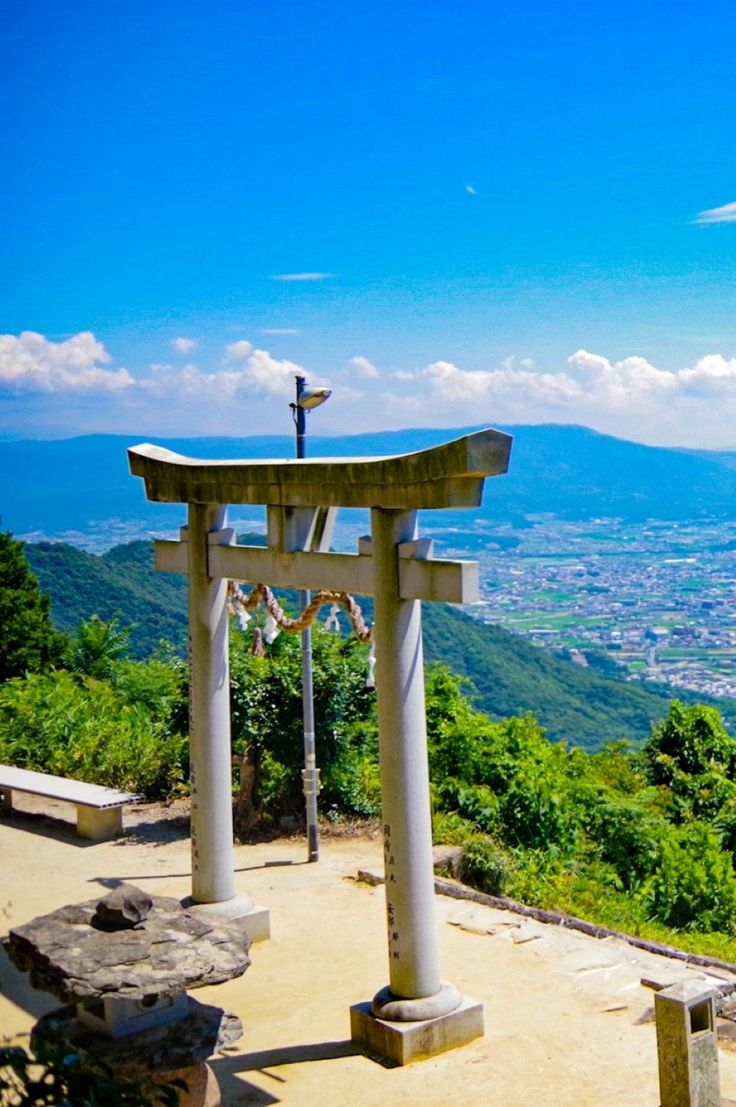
[(416, 1014)]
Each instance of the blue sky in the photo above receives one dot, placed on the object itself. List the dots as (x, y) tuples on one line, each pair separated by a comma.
[(451, 212)]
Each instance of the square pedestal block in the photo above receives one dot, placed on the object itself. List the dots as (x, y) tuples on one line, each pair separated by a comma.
[(402, 1042), (256, 924)]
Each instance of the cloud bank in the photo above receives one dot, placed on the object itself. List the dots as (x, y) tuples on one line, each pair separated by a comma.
[(73, 383), (29, 362)]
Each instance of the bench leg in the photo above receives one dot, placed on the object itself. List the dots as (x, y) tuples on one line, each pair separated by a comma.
[(99, 823), (6, 801)]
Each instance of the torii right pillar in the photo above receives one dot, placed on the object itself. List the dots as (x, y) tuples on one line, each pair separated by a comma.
[(417, 1014)]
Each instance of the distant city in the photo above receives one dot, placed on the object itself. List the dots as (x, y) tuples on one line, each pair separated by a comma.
[(652, 601), (657, 598)]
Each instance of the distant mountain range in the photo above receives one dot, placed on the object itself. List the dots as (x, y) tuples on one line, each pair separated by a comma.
[(54, 487)]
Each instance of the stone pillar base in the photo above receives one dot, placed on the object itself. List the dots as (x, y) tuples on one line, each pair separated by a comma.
[(254, 920), (402, 1042)]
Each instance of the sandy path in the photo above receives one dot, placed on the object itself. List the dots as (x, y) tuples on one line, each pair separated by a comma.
[(565, 1014)]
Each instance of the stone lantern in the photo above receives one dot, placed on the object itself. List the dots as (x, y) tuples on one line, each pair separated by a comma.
[(123, 966)]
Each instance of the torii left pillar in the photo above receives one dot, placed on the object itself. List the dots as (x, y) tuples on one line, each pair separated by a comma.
[(213, 886)]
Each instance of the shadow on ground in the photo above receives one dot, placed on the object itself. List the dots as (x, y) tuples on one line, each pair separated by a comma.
[(236, 1090)]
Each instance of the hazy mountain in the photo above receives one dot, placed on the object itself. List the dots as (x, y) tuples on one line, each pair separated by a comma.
[(52, 487)]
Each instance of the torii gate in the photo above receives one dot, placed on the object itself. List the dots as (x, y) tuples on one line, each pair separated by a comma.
[(416, 1014)]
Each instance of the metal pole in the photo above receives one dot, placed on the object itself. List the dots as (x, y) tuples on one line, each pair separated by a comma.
[(310, 773)]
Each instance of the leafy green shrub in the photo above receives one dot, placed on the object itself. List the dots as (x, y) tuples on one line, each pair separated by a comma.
[(266, 714), (83, 728), (538, 811), (96, 646), (694, 887), (475, 803), (533, 876), (691, 741), (628, 836), (485, 865)]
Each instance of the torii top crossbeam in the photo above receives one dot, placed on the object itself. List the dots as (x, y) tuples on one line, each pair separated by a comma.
[(450, 475)]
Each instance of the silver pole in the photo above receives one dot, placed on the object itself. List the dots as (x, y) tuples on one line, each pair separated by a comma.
[(310, 773)]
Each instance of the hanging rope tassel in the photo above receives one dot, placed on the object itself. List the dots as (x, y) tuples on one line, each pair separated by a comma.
[(270, 629), (258, 649), (261, 593), (242, 617), (370, 676), (332, 621)]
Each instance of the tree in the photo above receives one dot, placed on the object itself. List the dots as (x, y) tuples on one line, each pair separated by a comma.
[(96, 646), (28, 641), (267, 728), (692, 755)]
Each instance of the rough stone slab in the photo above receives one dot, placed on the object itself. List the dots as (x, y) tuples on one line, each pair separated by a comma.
[(403, 1042), (166, 953)]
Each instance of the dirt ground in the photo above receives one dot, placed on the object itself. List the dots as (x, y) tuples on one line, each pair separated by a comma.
[(567, 1018)]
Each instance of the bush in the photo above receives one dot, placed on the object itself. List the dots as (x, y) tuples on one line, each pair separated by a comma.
[(475, 803), (266, 712), (694, 887), (82, 728), (629, 837), (485, 865)]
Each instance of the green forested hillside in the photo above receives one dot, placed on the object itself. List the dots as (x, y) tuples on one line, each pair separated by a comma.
[(509, 675), (122, 583), (512, 677)]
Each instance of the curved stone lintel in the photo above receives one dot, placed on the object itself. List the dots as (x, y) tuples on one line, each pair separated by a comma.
[(449, 475)]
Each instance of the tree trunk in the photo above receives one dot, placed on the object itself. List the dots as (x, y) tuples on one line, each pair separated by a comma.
[(247, 810)]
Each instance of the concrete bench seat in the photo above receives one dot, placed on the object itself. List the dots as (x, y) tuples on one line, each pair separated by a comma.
[(99, 809)]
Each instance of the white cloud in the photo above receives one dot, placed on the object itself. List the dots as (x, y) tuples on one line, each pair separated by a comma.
[(184, 345), (30, 362), (301, 276), (725, 214), (365, 368), (238, 349), (462, 386), (189, 381), (263, 372), (470, 190), (709, 372), (280, 330), (622, 382)]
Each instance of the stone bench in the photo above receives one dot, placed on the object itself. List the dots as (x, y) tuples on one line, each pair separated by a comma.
[(99, 809)]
